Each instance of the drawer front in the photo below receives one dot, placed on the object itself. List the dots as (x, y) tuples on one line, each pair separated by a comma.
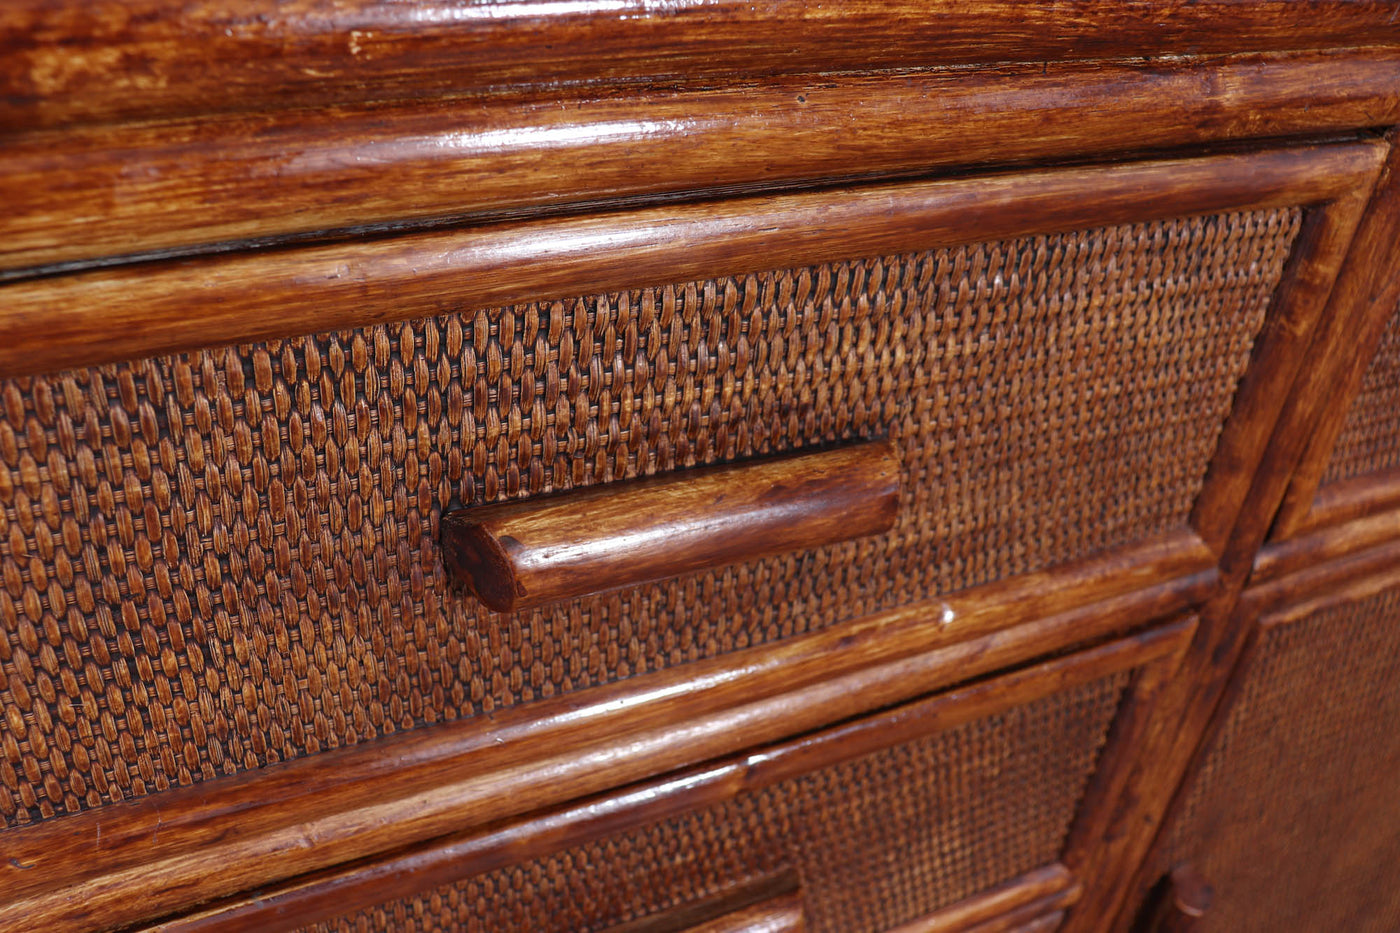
[(228, 558), (875, 842), (1292, 816), (221, 559)]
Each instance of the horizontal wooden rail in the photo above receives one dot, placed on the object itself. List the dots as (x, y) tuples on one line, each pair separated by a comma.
[(49, 324), (193, 185), (83, 60)]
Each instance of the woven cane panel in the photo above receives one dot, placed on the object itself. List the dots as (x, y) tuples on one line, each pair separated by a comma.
[(1370, 438), (875, 842), (1295, 816), (216, 560)]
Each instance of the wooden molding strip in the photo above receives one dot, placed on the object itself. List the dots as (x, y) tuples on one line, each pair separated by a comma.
[(71, 61), (142, 310), (1247, 479), (1042, 890), (1371, 526), (110, 191), (1358, 312), (315, 897), (1347, 578), (1343, 501), (353, 803), (1254, 461), (781, 915)]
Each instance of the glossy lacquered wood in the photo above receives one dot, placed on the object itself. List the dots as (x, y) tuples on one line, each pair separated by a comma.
[(48, 324), (327, 893), (195, 184), (1359, 309), (515, 555), (781, 915), (73, 61), (1045, 890), (303, 816), (1182, 902)]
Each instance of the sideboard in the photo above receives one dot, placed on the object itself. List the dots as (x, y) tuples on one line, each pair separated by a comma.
[(700, 465)]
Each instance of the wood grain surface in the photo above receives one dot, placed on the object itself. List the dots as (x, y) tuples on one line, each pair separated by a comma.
[(1045, 889), (113, 191), (147, 309), (515, 555), (1359, 310), (65, 61)]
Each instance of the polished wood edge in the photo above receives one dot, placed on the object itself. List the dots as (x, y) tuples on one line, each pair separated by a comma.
[(193, 185), (780, 915), (1044, 889), (1347, 579), (49, 324), (532, 552), (1046, 924), (1253, 462), (376, 797), (1032, 918), (70, 62), (1108, 832), (772, 899), (1375, 523), (1359, 310), (333, 891), (1346, 500)]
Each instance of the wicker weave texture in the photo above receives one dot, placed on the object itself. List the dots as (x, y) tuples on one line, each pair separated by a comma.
[(1295, 814), (875, 842), (1369, 441), (221, 559)]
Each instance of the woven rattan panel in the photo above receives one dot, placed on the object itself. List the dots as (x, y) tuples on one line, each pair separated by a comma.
[(1370, 438), (1295, 815), (221, 559), (875, 842)]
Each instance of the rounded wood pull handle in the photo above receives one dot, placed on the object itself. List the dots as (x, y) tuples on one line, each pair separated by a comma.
[(515, 555), (1182, 899)]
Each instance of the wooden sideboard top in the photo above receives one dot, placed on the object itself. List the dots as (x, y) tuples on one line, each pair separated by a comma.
[(69, 62)]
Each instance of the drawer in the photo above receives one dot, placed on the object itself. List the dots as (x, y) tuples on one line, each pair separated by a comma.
[(218, 559), (944, 814)]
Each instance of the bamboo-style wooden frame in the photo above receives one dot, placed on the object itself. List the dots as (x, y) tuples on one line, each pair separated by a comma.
[(409, 790), (209, 183)]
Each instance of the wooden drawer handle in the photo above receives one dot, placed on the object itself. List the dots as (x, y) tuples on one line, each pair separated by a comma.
[(1183, 897), (515, 555), (780, 915)]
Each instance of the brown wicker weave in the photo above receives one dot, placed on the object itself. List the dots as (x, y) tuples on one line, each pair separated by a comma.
[(1294, 815), (221, 559), (875, 842), (1370, 438)]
